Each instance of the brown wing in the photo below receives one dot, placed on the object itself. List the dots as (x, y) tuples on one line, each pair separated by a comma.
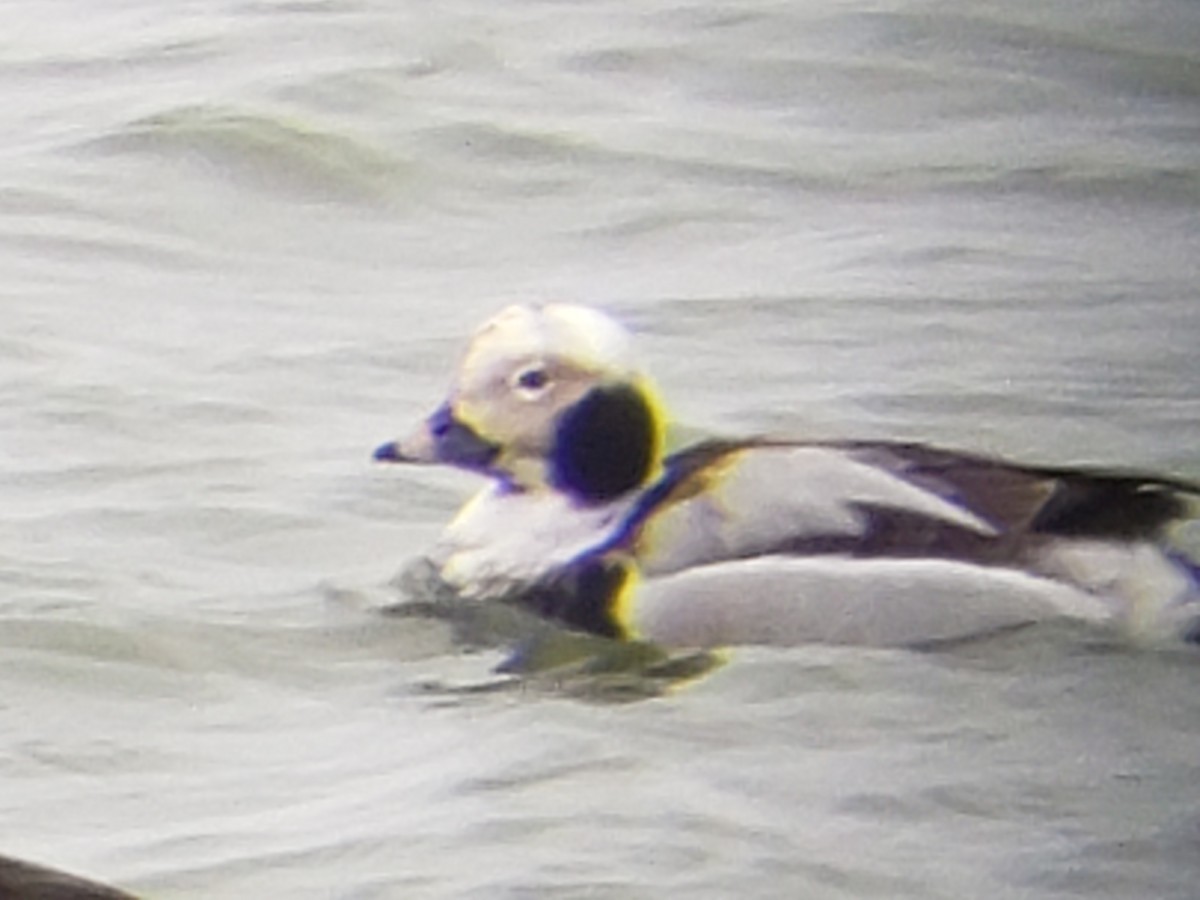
[(941, 503), (1039, 500)]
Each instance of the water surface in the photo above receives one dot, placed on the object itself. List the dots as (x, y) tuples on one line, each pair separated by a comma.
[(240, 244)]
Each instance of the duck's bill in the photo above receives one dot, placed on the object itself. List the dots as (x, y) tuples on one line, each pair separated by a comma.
[(441, 439)]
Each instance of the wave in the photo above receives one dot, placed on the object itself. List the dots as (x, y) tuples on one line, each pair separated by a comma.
[(268, 152)]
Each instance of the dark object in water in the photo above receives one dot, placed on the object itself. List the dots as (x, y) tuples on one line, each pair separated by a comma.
[(27, 881)]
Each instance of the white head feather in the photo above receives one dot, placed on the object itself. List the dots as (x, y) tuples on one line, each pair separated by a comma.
[(591, 340)]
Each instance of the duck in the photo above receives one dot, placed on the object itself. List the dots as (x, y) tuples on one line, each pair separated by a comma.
[(32, 881), (586, 520)]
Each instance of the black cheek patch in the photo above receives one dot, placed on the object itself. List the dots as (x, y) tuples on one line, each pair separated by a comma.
[(605, 445)]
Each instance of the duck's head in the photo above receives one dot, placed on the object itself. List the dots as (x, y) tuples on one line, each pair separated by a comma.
[(546, 398)]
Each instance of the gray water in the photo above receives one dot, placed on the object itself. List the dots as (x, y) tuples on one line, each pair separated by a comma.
[(240, 243)]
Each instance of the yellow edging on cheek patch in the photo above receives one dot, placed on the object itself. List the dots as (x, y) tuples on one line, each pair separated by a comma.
[(658, 415)]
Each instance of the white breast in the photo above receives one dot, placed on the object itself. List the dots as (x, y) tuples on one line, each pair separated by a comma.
[(502, 540)]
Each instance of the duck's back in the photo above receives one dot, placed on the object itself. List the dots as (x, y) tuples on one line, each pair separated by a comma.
[(726, 500), (878, 543)]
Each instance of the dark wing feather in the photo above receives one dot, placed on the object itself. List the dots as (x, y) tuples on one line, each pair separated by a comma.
[(1039, 500), (1023, 505)]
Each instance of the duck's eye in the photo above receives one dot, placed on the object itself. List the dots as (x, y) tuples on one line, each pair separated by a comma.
[(532, 381)]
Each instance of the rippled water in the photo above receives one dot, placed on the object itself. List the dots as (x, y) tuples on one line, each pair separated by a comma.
[(239, 245)]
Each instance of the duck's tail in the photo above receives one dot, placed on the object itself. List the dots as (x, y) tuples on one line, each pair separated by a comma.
[(1188, 602), (1153, 592)]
